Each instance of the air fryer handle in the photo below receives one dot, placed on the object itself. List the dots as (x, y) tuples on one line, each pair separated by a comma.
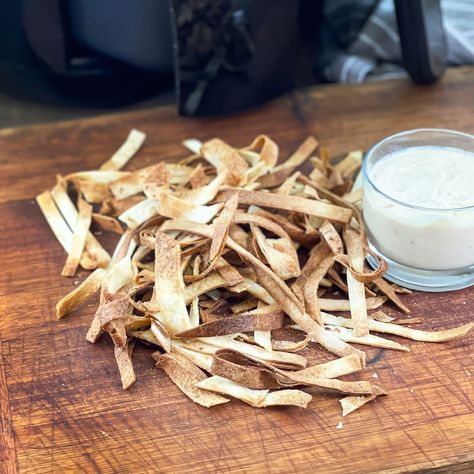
[(422, 39)]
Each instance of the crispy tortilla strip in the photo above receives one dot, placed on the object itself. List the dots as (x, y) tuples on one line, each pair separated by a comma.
[(408, 333), (200, 287), (161, 335), (311, 286), (221, 227), (356, 289), (233, 389), (353, 402), (280, 254), (290, 346), (284, 360), (351, 163), (333, 369), (198, 177), (194, 307), (291, 203), (327, 340), (344, 305), (302, 153), (55, 220), (107, 223), (81, 294), (347, 335), (332, 238), (115, 207), (253, 218), (123, 357), (226, 160), (78, 239), (255, 373), (202, 195), (94, 193), (193, 145), (386, 289), (69, 212), (231, 275), (161, 173), (168, 293), (263, 339), (287, 186), (289, 397), (96, 176), (128, 149), (382, 316), (318, 177), (203, 361), (113, 314), (186, 376), (243, 322)]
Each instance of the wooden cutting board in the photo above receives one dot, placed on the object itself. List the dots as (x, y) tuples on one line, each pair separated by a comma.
[(62, 408)]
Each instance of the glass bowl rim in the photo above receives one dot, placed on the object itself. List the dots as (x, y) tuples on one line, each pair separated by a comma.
[(441, 131)]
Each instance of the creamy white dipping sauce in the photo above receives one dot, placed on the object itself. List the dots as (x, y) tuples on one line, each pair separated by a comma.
[(440, 180)]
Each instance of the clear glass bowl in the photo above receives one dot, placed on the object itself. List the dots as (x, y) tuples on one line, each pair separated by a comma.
[(426, 249)]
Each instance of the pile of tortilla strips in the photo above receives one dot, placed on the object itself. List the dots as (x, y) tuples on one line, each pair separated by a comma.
[(220, 251)]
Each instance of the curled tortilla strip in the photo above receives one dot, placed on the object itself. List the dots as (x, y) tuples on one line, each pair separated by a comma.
[(70, 214), (186, 377), (115, 207), (81, 294), (193, 145), (344, 305), (348, 335), (168, 294), (353, 402), (254, 373), (112, 316), (332, 238), (356, 289), (387, 290), (291, 203), (280, 254), (408, 333), (302, 153), (94, 193), (78, 239), (202, 195), (285, 360), (161, 173), (327, 340), (123, 357), (127, 150), (243, 322), (263, 339), (221, 227), (161, 334), (253, 218), (107, 223), (332, 369), (287, 186), (311, 286), (349, 164), (208, 283), (226, 160), (230, 274)]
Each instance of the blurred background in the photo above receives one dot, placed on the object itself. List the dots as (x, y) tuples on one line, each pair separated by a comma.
[(62, 59)]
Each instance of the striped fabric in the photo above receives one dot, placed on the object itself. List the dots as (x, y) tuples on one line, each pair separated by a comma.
[(368, 46)]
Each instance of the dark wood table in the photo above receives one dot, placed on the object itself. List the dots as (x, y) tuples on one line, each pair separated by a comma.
[(61, 404)]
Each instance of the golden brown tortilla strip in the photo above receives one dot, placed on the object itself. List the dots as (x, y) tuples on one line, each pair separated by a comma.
[(81, 294), (226, 160), (344, 305), (408, 333), (78, 239), (302, 153), (127, 150), (332, 238), (387, 290), (168, 294), (353, 402), (243, 322), (107, 223), (356, 289), (123, 357), (186, 377), (221, 227), (291, 203)]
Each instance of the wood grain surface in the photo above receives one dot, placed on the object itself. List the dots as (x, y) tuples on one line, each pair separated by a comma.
[(61, 404)]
